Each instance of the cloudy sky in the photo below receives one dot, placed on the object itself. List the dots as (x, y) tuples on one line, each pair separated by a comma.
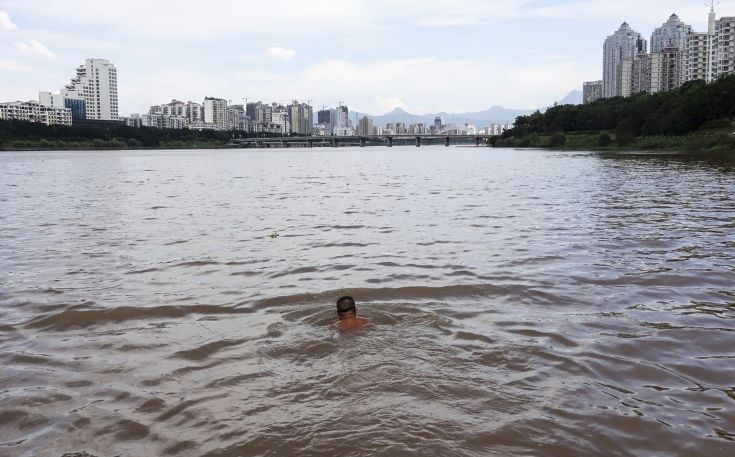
[(375, 55)]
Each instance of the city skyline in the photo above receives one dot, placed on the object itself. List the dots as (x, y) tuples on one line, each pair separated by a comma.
[(364, 54)]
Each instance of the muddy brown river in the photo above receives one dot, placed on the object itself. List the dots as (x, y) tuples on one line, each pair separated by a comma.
[(526, 303)]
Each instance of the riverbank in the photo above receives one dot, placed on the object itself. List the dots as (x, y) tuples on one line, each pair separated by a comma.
[(694, 117), (29, 136), (112, 145), (609, 141)]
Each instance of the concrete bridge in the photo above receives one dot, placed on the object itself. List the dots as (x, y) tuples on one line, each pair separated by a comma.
[(357, 140)]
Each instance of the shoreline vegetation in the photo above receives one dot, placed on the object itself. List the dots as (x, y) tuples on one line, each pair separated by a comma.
[(33, 136), (696, 117)]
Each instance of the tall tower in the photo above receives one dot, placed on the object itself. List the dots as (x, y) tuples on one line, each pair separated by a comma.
[(712, 25), (96, 84), (672, 33), (216, 113), (623, 45)]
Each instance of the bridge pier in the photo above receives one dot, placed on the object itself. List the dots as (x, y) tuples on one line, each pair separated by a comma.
[(357, 140)]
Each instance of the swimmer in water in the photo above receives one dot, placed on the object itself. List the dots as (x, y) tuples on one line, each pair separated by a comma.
[(347, 312)]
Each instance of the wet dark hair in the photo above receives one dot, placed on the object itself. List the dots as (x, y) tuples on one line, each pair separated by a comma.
[(345, 304)]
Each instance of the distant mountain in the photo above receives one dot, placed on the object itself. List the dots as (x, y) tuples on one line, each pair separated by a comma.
[(573, 98), (399, 115), (494, 115)]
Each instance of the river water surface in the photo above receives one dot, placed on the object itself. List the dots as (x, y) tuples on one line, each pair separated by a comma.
[(527, 303)]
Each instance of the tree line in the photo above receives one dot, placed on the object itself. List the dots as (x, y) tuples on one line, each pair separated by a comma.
[(16, 134), (694, 106)]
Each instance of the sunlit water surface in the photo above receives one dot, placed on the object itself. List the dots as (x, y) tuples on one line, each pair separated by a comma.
[(527, 303)]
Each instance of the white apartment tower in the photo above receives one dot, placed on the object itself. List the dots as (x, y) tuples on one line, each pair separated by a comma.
[(216, 113), (624, 44), (698, 58), (724, 44), (338, 119), (96, 84)]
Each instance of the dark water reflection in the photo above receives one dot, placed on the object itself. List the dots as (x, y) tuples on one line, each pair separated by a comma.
[(527, 303)]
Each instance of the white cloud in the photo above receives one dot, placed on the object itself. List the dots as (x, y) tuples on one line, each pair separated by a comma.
[(6, 23), (519, 70), (35, 48), (385, 104), (431, 85), (281, 53), (419, 85), (213, 18)]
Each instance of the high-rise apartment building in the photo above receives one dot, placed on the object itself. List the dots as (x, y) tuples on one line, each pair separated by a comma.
[(419, 129), (628, 69), (697, 57), (235, 117), (259, 112), (301, 117), (280, 120), (323, 116), (672, 33), (678, 55), (96, 84), (724, 44), (652, 73), (699, 53), (339, 119), (187, 114), (666, 70), (216, 113), (622, 45), (592, 91), (365, 126), (641, 74)]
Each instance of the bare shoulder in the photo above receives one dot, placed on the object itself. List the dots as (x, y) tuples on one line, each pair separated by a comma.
[(355, 323)]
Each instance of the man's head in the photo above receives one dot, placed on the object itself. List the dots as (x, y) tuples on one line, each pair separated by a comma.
[(346, 307)]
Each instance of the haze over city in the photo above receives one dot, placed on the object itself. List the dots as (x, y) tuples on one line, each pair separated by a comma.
[(422, 56)]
